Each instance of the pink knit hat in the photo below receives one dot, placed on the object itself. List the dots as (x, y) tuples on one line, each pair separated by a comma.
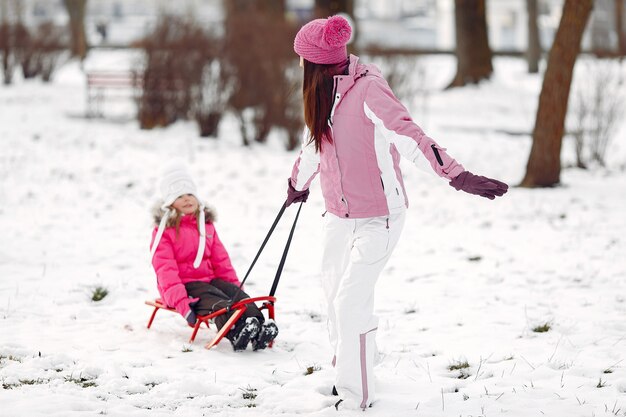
[(323, 41)]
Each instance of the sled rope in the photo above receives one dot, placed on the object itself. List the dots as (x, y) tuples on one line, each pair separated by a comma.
[(283, 258)]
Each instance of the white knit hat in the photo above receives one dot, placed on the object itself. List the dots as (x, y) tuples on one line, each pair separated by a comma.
[(176, 181)]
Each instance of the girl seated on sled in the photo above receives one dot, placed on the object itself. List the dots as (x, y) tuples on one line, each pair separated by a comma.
[(194, 272)]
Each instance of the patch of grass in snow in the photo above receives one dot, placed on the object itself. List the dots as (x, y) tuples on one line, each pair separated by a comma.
[(607, 371), (543, 328), (249, 394), (310, 369), (462, 367), (613, 411), (99, 293), (458, 365), (80, 381), (187, 349), (601, 384), (38, 381), (4, 358)]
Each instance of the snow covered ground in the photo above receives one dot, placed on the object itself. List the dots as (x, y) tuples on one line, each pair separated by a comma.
[(469, 281)]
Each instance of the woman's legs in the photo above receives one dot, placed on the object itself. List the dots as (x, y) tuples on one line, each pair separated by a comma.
[(338, 236), (370, 245)]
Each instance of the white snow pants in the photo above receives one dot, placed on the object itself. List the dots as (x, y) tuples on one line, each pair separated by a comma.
[(355, 253)]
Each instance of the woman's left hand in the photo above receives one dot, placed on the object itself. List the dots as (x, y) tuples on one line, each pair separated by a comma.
[(479, 185)]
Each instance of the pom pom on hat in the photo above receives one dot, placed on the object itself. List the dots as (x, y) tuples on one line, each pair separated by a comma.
[(337, 31), (323, 41)]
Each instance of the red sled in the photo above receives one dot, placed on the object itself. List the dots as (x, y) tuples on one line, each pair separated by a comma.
[(239, 307)]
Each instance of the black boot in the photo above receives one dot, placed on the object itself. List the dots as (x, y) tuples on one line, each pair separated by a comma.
[(244, 332), (267, 334)]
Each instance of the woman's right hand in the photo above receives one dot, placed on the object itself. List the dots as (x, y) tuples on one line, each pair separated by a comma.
[(295, 196)]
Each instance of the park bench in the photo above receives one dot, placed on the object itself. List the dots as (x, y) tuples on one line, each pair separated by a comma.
[(110, 85)]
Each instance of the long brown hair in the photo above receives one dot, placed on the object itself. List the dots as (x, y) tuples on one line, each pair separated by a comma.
[(317, 93)]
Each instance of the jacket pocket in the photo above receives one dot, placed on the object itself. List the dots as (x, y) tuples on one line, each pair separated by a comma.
[(437, 155)]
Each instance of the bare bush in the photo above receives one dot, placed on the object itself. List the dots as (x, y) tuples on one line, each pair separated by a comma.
[(596, 109), (251, 71), (176, 53), (8, 47), (265, 93), (42, 51), (36, 51), (210, 99)]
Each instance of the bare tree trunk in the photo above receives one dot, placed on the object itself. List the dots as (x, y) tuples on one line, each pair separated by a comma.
[(619, 25), (472, 43), (533, 54), (325, 8), (6, 43), (544, 162), (76, 11)]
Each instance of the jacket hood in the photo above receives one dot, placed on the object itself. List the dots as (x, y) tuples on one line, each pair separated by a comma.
[(210, 214)]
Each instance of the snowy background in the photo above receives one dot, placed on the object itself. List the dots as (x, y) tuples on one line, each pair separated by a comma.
[(468, 282)]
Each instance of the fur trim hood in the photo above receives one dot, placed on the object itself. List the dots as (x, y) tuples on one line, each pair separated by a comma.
[(210, 215)]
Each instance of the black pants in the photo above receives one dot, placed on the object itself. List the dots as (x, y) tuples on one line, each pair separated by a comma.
[(215, 295)]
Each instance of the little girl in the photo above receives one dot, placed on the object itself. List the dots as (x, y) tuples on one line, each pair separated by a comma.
[(194, 272)]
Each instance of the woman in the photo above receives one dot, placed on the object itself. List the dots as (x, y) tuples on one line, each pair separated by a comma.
[(356, 132)]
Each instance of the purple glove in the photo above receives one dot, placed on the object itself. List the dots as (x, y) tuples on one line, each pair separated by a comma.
[(479, 185), (191, 315), (294, 196)]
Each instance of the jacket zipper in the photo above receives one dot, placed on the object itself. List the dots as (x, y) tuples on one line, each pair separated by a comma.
[(335, 103), (343, 198), (336, 98)]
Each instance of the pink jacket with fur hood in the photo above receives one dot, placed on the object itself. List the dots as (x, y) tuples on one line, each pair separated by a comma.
[(173, 260), (360, 170)]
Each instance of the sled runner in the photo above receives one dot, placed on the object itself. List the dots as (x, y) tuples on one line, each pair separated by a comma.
[(238, 308)]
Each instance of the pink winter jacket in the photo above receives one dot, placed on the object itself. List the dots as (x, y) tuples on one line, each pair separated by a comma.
[(359, 171), (173, 261)]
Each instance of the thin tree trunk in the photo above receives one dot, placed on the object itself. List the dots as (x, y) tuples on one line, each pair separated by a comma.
[(472, 43), (325, 8), (544, 162), (76, 11), (619, 25), (533, 54)]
